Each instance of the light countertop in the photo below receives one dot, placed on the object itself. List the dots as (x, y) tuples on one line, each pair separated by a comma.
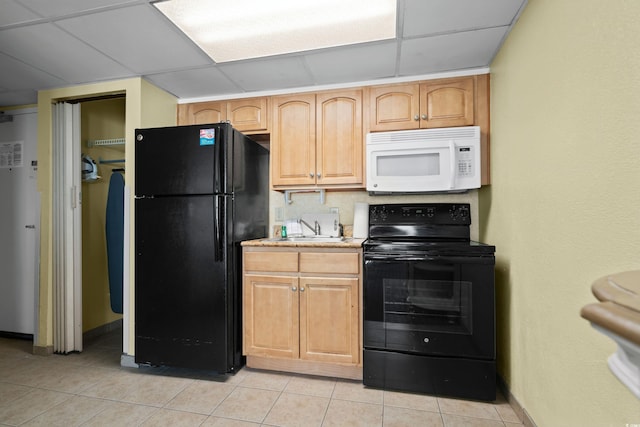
[(348, 242)]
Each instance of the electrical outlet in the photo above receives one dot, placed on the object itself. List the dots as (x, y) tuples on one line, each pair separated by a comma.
[(279, 214), (333, 210)]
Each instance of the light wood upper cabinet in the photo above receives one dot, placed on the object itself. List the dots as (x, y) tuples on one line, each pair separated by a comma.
[(394, 107), (293, 141), (431, 104), (317, 140), (339, 138), (250, 115), (447, 103), (199, 113)]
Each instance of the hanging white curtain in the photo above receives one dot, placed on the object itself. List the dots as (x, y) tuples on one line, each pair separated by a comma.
[(67, 215)]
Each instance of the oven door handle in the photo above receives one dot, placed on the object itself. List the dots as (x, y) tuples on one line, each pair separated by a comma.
[(399, 258)]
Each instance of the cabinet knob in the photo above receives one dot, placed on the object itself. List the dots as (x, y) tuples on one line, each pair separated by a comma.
[(310, 174), (293, 288), (416, 117), (319, 175), (301, 289), (424, 117)]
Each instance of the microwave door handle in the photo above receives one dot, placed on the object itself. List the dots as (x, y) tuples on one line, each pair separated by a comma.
[(452, 165)]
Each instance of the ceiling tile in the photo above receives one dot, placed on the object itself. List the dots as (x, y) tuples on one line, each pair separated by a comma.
[(46, 47), (450, 52), (194, 83), (15, 13), (357, 63), (49, 8), (442, 16), (16, 75), (139, 38), (280, 73), (57, 43)]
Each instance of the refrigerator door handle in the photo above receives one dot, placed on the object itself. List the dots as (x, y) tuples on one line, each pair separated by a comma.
[(218, 162), (218, 227)]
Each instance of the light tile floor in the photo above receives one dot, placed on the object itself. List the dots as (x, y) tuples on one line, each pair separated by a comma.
[(92, 389)]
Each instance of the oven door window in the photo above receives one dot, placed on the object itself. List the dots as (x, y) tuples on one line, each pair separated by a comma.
[(429, 307)]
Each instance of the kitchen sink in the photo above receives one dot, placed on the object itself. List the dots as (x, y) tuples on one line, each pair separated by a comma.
[(318, 239)]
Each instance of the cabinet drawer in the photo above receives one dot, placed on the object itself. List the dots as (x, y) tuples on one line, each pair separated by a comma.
[(271, 261), (330, 262)]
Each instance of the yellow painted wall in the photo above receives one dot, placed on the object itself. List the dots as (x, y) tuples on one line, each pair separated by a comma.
[(145, 106), (564, 206), (101, 119)]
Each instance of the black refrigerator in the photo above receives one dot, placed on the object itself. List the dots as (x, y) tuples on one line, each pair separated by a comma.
[(199, 191)]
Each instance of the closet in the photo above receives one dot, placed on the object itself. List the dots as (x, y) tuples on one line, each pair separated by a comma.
[(102, 139)]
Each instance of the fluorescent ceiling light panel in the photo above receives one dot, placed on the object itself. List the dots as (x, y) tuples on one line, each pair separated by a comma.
[(243, 29)]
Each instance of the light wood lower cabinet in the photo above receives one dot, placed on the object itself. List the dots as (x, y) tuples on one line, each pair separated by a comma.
[(329, 319), (307, 320)]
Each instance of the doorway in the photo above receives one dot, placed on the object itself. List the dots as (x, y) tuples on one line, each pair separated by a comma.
[(82, 292), (19, 222), (103, 142)]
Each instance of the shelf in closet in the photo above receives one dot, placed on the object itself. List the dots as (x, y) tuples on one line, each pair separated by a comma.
[(100, 142)]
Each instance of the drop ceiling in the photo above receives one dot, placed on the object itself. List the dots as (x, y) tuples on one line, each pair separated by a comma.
[(47, 44)]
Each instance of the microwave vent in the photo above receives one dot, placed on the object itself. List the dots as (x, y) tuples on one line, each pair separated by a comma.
[(421, 134)]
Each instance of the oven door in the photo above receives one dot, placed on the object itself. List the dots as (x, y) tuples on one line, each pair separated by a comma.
[(430, 305)]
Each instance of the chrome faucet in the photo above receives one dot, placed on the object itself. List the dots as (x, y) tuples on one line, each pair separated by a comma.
[(315, 228)]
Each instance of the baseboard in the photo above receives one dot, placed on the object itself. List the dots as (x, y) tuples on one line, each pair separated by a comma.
[(102, 329), (46, 350), (16, 335), (128, 361), (300, 366), (521, 413)]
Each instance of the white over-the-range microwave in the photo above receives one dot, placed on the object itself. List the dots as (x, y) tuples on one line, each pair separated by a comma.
[(423, 161)]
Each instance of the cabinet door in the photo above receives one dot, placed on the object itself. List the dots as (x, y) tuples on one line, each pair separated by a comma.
[(270, 316), (249, 115), (293, 142), (201, 112), (329, 321), (394, 107), (447, 103), (339, 143)]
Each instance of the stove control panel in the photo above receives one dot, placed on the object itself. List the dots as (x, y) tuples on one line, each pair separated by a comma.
[(428, 213)]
